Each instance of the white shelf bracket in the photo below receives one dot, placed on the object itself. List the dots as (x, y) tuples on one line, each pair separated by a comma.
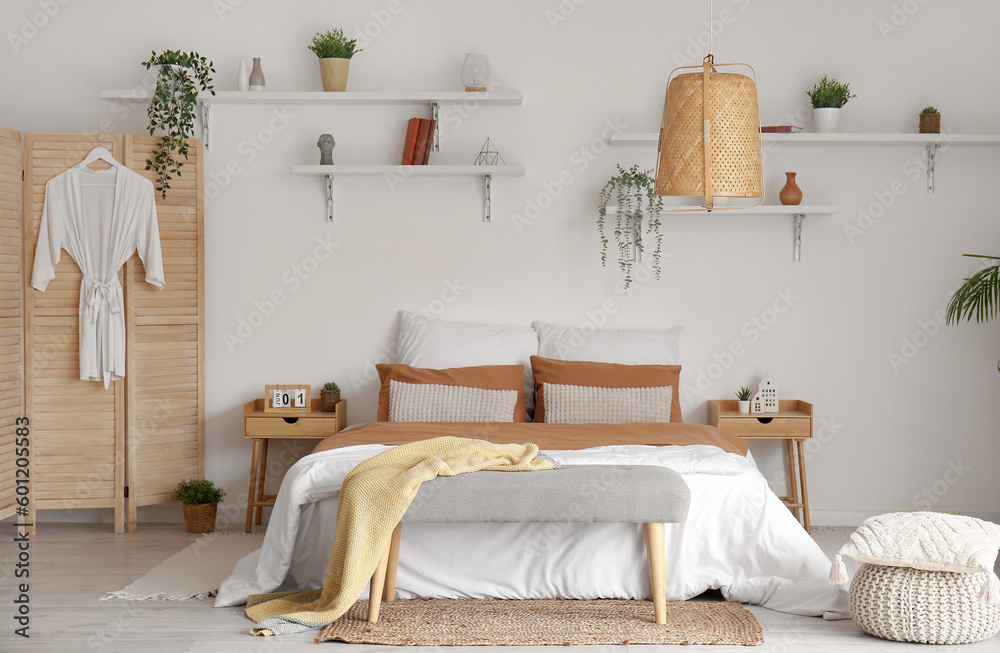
[(206, 123), (797, 242), (487, 182), (329, 198), (435, 113), (932, 151)]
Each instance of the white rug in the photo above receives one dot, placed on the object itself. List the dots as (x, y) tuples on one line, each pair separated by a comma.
[(193, 573)]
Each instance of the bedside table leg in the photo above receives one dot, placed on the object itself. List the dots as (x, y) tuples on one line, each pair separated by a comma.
[(802, 479), (793, 481), (254, 459), (261, 478)]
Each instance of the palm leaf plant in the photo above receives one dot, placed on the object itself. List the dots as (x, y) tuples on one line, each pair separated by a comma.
[(979, 297), (180, 77), (636, 202)]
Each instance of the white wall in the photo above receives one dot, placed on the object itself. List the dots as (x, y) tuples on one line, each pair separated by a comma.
[(886, 433)]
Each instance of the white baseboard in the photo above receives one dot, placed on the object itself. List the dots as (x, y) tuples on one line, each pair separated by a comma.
[(855, 517)]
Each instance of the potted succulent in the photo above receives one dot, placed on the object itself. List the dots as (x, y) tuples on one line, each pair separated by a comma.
[(329, 395), (635, 202), (180, 76), (930, 121), (334, 51), (828, 96), (201, 500), (743, 395), (979, 296)]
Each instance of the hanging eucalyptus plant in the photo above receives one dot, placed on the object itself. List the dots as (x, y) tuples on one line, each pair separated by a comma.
[(635, 203), (172, 109)]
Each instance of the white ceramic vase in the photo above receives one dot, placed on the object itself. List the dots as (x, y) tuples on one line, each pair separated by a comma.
[(826, 119), (744, 406)]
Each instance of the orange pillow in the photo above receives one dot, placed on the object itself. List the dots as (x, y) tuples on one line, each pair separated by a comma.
[(604, 375), (488, 377)]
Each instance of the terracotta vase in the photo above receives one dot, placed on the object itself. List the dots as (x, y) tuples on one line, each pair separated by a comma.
[(791, 194)]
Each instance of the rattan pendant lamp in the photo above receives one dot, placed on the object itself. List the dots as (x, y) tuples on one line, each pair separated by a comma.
[(710, 135)]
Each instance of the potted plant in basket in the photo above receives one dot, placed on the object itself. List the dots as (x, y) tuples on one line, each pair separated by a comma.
[(635, 202), (828, 97), (334, 51), (743, 395), (180, 76), (930, 121), (201, 501), (329, 395)]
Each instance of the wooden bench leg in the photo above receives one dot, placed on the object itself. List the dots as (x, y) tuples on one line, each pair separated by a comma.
[(390, 571), (378, 585), (657, 571)]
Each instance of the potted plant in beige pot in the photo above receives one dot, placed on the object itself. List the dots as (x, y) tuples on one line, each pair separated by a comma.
[(329, 395), (201, 502), (930, 121), (334, 51)]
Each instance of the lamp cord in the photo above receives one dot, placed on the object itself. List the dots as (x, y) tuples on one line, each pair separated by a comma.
[(711, 32)]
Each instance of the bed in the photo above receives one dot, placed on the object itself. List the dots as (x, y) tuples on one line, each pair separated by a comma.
[(739, 538)]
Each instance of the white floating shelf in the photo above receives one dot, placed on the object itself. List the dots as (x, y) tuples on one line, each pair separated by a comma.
[(486, 172), (652, 138), (346, 97)]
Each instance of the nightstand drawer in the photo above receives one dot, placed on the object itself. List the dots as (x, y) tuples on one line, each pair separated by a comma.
[(777, 427), (277, 427)]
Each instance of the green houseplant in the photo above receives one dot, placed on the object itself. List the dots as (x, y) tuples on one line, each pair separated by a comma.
[(828, 96), (979, 296), (743, 396), (180, 77), (201, 499), (635, 202), (329, 395), (930, 121), (334, 51)]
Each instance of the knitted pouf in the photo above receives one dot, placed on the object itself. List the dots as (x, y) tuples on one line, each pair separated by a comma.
[(929, 607)]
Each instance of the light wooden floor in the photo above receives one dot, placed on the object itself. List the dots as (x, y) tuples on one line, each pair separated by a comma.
[(72, 565)]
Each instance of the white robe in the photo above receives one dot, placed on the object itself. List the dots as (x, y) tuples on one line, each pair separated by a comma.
[(100, 217)]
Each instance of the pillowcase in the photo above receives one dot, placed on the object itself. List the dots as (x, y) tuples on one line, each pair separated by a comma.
[(604, 375), (580, 404), (931, 541), (487, 377), (432, 343), (607, 345), (432, 402)]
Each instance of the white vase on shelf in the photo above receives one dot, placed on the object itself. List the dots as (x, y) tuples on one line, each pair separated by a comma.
[(243, 78), (826, 119)]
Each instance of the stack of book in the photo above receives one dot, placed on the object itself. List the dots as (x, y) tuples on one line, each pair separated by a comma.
[(780, 129), (419, 142)]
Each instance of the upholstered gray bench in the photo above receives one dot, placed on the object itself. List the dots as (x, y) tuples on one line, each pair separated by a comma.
[(634, 494)]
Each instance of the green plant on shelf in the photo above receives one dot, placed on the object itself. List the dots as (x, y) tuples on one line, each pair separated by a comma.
[(830, 94), (333, 45), (195, 492), (929, 111), (330, 386), (743, 394)]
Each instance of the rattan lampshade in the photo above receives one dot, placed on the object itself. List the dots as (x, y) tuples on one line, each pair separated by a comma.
[(710, 136)]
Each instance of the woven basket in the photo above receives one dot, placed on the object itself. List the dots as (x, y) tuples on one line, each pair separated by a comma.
[(929, 607), (200, 518), (328, 400), (930, 123)]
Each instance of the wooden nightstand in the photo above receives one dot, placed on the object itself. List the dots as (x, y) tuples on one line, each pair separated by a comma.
[(792, 423), (263, 426)]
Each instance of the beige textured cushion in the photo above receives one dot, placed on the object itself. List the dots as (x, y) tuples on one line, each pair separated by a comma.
[(580, 404), (432, 402), (488, 377)]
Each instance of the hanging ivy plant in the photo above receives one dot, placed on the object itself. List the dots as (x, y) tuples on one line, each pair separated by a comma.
[(636, 202), (180, 78)]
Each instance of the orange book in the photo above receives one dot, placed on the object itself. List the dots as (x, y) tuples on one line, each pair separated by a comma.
[(430, 141), (421, 147), (411, 140)]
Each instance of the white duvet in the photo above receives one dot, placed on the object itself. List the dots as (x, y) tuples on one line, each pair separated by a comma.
[(738, 538)]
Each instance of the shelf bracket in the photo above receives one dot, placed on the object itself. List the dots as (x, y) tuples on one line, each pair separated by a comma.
[(329, 198), (435, 113), (797, 242), (932, 151), (206, 124), (487, 183)]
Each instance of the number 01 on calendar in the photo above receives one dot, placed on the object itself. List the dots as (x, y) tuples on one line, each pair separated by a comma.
[(289, 399)]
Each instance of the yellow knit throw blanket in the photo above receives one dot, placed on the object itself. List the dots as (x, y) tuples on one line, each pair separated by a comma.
[(373, 498)]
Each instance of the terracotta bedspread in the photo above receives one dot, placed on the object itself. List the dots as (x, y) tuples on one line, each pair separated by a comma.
[(546, 436)]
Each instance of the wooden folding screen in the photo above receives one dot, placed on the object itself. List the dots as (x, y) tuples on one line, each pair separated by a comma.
[(11, 324), (92, 443)]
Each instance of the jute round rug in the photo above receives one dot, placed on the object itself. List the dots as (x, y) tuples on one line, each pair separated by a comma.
[(541, 622)]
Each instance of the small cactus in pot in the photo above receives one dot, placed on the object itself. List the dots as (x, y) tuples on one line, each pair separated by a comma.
[(743, 395), (329, 395)]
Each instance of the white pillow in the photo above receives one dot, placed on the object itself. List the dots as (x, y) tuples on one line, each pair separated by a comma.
[(608, 345), (432, 402), (439, 344), (580, 404)]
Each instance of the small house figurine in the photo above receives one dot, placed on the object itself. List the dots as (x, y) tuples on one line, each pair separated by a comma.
[(765, 400)]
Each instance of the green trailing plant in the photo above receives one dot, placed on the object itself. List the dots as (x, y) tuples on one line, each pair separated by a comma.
[(333, 45), (331, 386), (743, 394), (636, 202), (979, 297), (180, 78), (195, 492), (830, 94), (930, 111)]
